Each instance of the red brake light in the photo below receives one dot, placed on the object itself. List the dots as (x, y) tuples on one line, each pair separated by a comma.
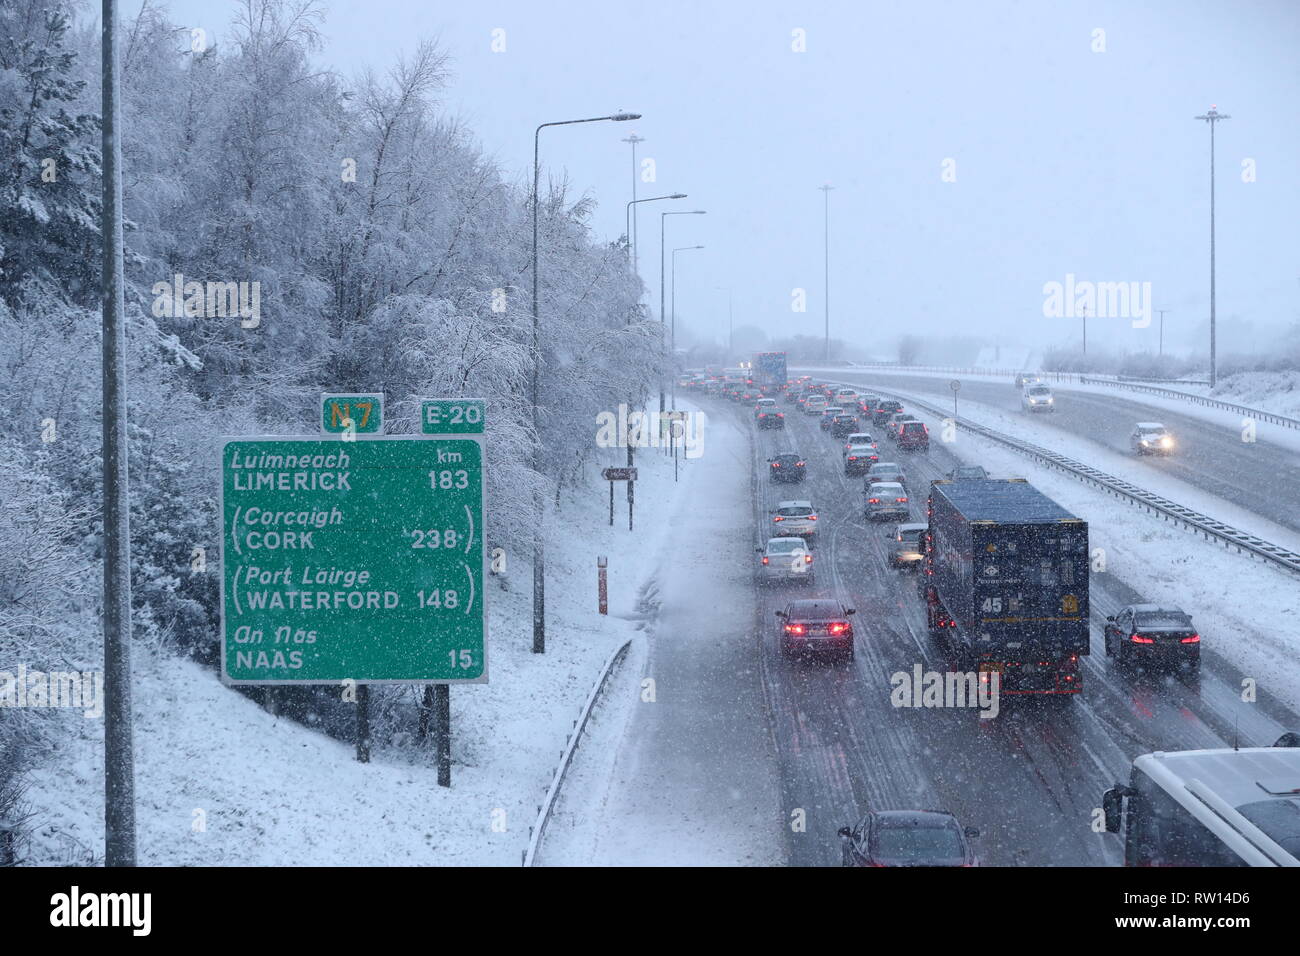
[(812, 517), (838, 628), (901, 500), (1139, 639), (776, 464), (765, 559), (853, 457), (873, 501), (794, 628), (807, 559), (926, 427), (778, 518), (798, 464), (1194, 639)]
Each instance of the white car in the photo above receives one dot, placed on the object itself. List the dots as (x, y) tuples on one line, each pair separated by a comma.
[(795, 518), (848, 397), (785, 559), (1151, 438), (1037, 398), (815, 405), (884, 500)]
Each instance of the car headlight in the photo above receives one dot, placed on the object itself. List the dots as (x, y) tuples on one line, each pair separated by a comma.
[(1166, 442)]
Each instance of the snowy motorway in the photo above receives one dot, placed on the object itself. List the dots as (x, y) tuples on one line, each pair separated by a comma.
[(1261, 477), (1028, 779), (688, 779)]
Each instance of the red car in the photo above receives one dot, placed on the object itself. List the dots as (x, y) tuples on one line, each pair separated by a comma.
[(914, 436)]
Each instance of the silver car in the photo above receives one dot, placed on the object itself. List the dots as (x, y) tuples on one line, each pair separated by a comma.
[(793, 519), (815, 405), (1037, 398), (785, 559), (885, 500), (1151, 438), (907, 545), (886, 471)]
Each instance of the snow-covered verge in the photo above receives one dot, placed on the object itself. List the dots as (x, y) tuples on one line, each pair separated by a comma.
[(1276, 392), (1248, 611), (1032, 429), (221, 781)]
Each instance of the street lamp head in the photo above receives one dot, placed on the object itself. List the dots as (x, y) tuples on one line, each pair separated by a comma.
[(624, 117), (697, 212), (677, 196)]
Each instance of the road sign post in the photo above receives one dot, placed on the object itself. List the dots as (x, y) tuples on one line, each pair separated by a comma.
[(620, 474), (956, 387), (358, 561), (602, 581)]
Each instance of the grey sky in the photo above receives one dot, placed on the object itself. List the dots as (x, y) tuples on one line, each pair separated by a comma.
[(1067, 160)]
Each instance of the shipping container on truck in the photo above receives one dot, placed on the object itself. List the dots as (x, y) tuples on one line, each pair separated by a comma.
[(1005, 580), (769, 370)]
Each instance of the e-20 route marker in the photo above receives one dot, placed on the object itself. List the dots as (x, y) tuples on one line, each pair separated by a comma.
[(353, 560)]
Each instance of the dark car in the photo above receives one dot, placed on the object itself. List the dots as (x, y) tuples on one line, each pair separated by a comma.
[(828, 416), (914, 436), (967, 473), (1160, 635), (844, 424), (768, 415), (908, 838), (884, 410), (787, 468), (820, 625)]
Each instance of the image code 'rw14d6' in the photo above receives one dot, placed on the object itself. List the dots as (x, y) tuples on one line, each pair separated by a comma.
[(353, 560)]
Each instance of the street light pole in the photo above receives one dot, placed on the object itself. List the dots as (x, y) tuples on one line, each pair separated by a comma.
[(1212, 117), (539, 553), (1162, 330), (673, 333), (119, 760), (629, 222), (663, 218), (631, 232), (826, 245)]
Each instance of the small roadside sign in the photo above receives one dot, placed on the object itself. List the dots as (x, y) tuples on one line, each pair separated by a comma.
[(364, 413), (453, 416), (619, 474)]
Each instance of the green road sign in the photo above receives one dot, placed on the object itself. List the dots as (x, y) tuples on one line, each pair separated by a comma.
[(365, 411), (461, 416), (361, 560)]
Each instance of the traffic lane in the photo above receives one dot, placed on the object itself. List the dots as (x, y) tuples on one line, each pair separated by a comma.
[(913, 758), (1259, 476), (834, 762), (696, 780)]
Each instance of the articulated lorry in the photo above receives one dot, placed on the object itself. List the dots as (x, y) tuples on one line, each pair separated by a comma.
[(769, 372), (1005, 580)]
